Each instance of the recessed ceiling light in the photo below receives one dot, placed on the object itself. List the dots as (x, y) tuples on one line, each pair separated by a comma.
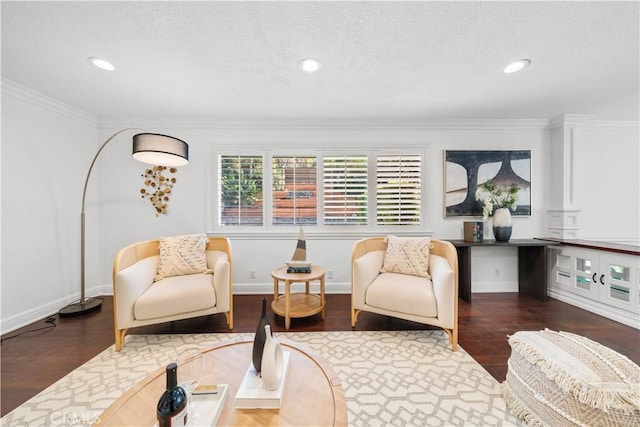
[(101, 63), (517, 66), (309, 65)]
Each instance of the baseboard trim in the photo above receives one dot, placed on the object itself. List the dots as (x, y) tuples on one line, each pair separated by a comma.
[(25, 318), (493, 287), (610, 312), (43, 311)]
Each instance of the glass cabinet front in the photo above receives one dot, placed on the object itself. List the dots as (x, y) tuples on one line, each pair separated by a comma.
[(615, 281), (583, 276), (585, 280)]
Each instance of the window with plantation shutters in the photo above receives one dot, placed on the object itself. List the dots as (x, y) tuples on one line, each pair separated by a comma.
[(240, 190), (295, 190), (398, 189), (274, 190), (345, 186)]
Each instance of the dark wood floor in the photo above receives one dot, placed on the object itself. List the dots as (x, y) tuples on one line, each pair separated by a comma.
[(33, 361)]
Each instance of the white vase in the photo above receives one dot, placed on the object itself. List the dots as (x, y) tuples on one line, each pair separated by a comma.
[(272, 362), (502, 224)]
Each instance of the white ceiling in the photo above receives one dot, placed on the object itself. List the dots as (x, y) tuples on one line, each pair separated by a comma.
[(393, 60)]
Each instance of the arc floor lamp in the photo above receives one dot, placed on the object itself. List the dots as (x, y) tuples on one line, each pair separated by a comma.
[(150, 148)]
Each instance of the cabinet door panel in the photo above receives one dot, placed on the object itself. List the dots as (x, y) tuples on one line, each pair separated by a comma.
[(618, 285), (604, 282), (561, 270), (585, 279)]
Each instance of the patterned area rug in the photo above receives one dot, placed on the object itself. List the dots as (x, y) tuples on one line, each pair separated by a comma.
[(400, 378)]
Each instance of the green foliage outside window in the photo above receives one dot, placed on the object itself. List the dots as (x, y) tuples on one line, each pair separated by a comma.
[(241, 181)]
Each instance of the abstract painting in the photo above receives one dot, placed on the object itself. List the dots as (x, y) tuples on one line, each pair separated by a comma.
[(464, 171)]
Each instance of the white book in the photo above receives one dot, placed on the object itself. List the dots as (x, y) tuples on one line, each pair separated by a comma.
[(252, 393), (206, 408)]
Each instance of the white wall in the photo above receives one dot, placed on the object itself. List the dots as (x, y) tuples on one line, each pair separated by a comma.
[(47, 148), (125, 218), (607, 182)]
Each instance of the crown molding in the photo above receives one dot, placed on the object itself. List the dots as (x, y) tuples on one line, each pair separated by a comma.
[(22, 93), (612, 125), (15, 90), (585, 121), (332, 124), (582, 121)]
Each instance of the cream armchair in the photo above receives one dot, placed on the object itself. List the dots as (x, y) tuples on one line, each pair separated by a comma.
[(430, 301), (139, 301)]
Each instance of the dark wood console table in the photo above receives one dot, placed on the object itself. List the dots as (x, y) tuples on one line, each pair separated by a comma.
[(532, 265)]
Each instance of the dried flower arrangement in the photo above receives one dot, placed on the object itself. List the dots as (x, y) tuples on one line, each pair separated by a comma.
[(158, 187)]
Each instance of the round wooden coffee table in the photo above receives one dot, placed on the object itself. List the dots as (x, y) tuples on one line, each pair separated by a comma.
[(297, 304), (313, 395)]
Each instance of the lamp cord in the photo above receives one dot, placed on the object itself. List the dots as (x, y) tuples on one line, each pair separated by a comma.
[(50, 325)]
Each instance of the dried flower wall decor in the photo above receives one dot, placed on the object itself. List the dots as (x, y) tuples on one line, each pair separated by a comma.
[(158, 187)]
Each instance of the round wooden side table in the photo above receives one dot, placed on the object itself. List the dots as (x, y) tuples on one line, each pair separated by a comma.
[(297, 304)]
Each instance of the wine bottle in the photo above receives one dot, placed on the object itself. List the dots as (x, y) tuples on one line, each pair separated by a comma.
[(172, 406)]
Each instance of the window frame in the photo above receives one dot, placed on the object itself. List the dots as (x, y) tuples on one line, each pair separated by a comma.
[(270, 161), (219, 183), (345, 154), (268, 227), (421, 205)]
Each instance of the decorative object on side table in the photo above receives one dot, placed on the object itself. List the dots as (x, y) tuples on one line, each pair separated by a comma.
[(499, 202), (299, 263), (298, 267), (300, 254), (260, 337)]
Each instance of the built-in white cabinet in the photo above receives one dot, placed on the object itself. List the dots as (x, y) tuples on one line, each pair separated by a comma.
[(620, 282), (604, 282)]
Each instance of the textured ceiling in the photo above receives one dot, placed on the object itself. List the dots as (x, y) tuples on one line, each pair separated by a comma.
[(394, 60)]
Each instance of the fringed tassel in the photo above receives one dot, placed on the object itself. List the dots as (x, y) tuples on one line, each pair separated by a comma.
[(518, 408), (625, 401), (542, 399)]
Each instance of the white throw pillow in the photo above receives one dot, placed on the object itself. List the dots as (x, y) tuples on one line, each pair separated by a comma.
[(407, 255), (182, 255)]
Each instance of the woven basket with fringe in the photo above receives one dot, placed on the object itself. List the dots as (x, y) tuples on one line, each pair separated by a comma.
[(563, 379)]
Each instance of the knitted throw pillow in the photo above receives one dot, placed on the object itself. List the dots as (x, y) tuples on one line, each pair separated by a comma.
[(407, 255), (182, 255)]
